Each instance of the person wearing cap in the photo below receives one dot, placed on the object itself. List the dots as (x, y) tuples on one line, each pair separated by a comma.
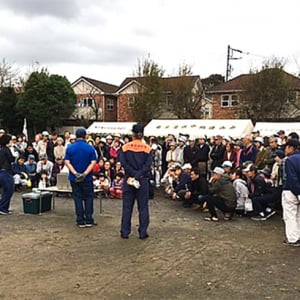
[(6, 178), (43, 143), (291, 194), (20, 174), (221, 196), (217, 152), (262, 193), (227, 166), (262, 153), (2, 132), (31, 166), (117, 138), (255, 134), (179, 150), (136, 158), (80, 159), (59, 148), (13, 147), (44, 164)]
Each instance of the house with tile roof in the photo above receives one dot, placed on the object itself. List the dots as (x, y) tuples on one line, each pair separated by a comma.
[(96, 100), (129, 88), (225, 96)]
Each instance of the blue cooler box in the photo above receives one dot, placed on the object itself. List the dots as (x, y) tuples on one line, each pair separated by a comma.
[(33, 204)]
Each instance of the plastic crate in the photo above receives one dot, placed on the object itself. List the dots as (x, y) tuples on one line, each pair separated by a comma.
[(31, 202)]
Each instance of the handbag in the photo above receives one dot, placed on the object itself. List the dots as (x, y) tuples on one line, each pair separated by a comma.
[(248, 205)]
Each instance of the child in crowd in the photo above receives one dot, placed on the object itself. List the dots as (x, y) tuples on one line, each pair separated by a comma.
[(102, 182), (116, 189), (44, 180)]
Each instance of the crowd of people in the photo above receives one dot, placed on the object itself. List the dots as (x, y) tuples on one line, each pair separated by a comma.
[(249, 176)]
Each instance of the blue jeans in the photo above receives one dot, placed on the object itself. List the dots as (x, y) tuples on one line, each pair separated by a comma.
[(83, 195), (260, 203), (7, 185)]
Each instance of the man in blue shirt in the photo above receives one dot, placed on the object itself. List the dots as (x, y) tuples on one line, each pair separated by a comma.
[(80, 159)]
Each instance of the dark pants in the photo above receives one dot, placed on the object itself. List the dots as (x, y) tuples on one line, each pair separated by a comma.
[(141, 195), (83, 195), (214, 202), (7, 185), (260, 203)]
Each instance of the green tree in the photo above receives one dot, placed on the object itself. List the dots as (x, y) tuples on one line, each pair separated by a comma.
[(186, 97), (149, 92), (10, 117), (211, 81), (267, 95), (46, 100)]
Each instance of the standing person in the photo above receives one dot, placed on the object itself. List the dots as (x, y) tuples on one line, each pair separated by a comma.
[(136, 159), (80, 159), (217, 152), (291, 194), (6, 178)]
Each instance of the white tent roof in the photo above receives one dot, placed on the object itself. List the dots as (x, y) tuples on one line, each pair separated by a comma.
[(111, 127), (270, 128), (197, 127)]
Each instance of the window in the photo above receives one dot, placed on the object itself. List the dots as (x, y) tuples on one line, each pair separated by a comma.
[(110, 104), (85, 102), (229, 100), (131, 100)]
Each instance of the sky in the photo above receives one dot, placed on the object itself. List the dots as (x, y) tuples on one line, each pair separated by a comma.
[(105, 39)]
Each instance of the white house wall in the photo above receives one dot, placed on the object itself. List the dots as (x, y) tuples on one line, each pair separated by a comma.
[(84, 88)]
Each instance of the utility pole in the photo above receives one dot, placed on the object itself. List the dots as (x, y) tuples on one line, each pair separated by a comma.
[(230, 56)]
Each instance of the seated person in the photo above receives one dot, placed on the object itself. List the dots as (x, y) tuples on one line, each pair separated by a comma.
[(19, 173), (57, 168), (241, 190), (102, 182), (198, 189), (44, 180), (44, 165), (262, 192), (99, 166), (221, 196), (31, 165), (116, 188), (181, 183)]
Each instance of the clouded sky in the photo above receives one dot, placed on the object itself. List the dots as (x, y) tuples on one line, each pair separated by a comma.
[(103, 39)]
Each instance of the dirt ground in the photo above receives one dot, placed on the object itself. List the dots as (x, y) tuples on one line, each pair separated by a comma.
[(48, 257)]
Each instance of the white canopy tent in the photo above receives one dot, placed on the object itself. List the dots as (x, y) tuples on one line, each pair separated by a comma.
[(196, 127), (111, 127), (270, 128)]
